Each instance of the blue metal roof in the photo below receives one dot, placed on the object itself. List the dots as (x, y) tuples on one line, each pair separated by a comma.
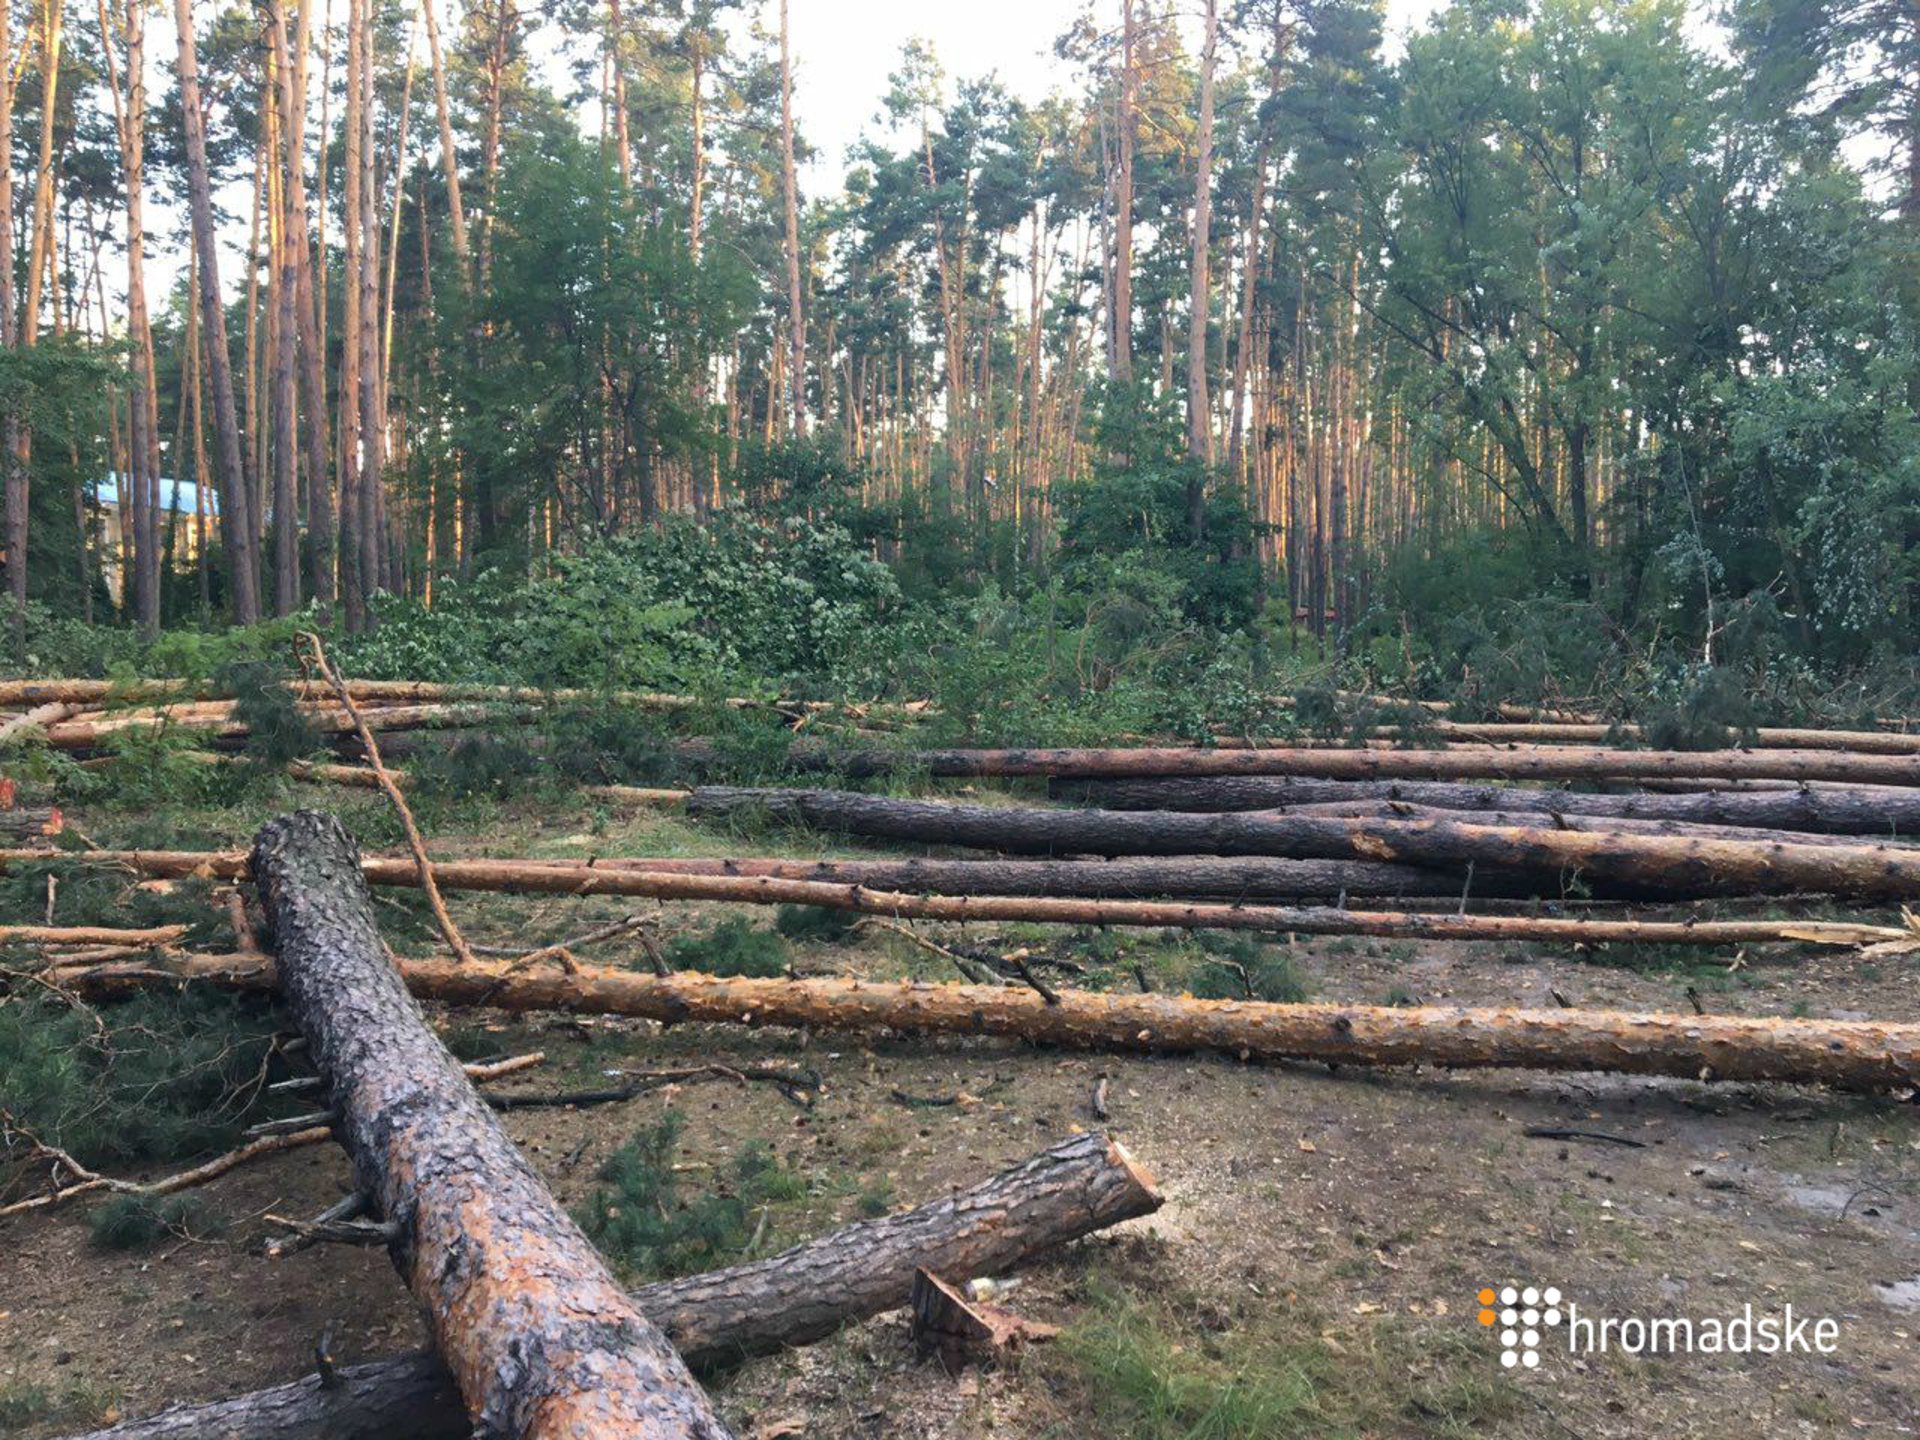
[(176, 496)]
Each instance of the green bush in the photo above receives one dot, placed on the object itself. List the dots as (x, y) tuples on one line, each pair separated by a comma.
[(816, 923), (1240, 965), (171, 1075), (732, 947), (649, 1230), (133, 1222)]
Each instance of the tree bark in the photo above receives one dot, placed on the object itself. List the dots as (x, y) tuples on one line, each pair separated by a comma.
[(236, 516), (1832, 810), (1515, 763), (1070, 1189), (1859, 1055), (540, 1340)]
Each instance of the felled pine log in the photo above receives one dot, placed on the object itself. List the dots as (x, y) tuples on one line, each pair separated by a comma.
[(1072, 1188), (219, 725), (540, 1339), (1868, 742), (1859, 1055), (540, 877), (1517, 762), (1825, 809), (1688, 865)]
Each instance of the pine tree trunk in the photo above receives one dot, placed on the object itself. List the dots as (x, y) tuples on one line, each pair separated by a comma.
[(796, 306), (236, 514)]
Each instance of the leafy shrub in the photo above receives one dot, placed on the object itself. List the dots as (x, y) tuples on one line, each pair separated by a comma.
[(732, 947), (649, 1230)]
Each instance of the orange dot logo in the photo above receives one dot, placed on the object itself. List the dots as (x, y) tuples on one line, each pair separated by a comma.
[(1520, 1315), (1487, 1315)]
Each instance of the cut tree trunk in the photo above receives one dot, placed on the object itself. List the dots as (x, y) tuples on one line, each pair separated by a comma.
[(1587, 824), (28, 822), (86, 734), (962, 1331), (556, 878), (1873, 742), (1861, 1055), (1686, 865), (1072, 1188), (1826, 809), (1520, 762), (541, 1341)]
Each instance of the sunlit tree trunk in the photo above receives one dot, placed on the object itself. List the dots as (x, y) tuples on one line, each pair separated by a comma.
[(237, 527), (1121, 301), (796, 308), (449, 153), (1199, 418)]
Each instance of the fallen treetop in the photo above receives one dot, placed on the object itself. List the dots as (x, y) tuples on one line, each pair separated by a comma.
[(1072, 1188), (559, 878), (1863, 1055), (541, 1341)]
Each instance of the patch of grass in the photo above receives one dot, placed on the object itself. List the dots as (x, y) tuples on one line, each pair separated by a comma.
[(733, 947), (1161, 1366), (816, 923), (24, 1403), (876, 1196), (649, 1230), (133, 1222)]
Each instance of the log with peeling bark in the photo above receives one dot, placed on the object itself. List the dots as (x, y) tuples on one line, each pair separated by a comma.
[(541, 1341), (1692, 864), (91, 935), (87, 734), (1862, 1055), (31, 822), (1866, 742), (15, 693), (1073, 1188), (556, 878), (1519, 762), (1191, 877), (1823, 809)]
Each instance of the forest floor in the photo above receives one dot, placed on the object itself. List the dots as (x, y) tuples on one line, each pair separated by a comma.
[(1313, 1273)]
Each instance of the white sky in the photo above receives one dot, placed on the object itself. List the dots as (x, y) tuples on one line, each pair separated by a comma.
[(844, 50)]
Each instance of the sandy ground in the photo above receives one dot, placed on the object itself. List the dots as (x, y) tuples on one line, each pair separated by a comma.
[(1333, 1226)]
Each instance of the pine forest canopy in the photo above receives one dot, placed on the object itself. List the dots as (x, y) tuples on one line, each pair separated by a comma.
[(1571, 303)]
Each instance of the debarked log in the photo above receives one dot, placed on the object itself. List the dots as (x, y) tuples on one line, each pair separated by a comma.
[(1072, 1188), (540, 1339), (1862, 1055)]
